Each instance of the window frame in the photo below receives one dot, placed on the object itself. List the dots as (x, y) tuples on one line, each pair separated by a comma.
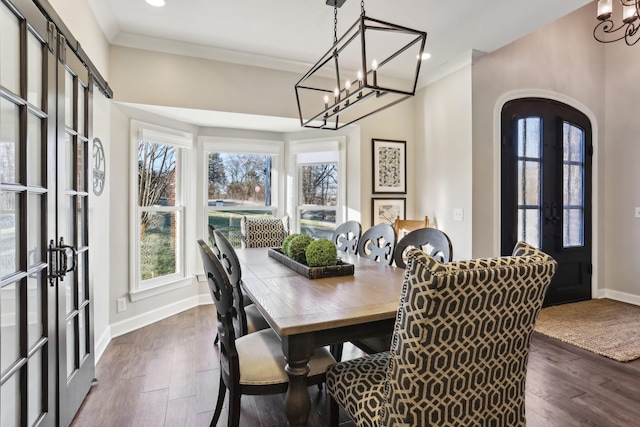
[(215, 144), (319, 145), (182, 141)]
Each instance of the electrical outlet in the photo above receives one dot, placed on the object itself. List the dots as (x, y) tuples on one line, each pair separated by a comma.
[(637, 212), (122, 305), (458, 214)]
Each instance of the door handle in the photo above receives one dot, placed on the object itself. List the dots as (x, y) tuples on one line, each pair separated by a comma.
[(59, 260), (554, 213)]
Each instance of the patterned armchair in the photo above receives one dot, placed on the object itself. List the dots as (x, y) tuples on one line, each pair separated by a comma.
[(460, 346), (263, 232)]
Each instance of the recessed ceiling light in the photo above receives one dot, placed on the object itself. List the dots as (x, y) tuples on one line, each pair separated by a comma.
[(156, 3)]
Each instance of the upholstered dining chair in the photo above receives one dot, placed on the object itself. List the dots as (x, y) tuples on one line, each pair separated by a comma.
[(247, 318), (263, 232), (346, 236), (460, 346), (378, 243), (432, 241), (404, 226), (253, 364)]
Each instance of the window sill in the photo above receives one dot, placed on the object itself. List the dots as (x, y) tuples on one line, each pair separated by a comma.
[(151, 291)]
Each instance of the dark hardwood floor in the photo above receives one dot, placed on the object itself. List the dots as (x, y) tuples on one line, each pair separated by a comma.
[(166, 374)]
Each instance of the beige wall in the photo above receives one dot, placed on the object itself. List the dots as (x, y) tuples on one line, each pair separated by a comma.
[(621, 192), (443, 161), (560, 61)]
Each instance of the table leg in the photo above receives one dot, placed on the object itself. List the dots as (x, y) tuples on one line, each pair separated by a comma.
[(297, 349)]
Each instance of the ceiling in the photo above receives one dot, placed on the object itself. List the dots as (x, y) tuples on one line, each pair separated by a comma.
[(292, 34)]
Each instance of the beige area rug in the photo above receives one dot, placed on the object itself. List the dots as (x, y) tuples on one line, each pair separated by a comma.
[(603, 326)]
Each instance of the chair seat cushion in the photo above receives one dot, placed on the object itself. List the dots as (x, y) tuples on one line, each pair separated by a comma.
[(262, 361), (358, 386), (255, 321)]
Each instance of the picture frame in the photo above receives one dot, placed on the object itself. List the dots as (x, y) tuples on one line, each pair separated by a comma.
[(385, 211), (389, 166)]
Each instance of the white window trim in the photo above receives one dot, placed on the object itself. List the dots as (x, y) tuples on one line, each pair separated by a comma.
[(180, 139), (213, 144), (316, 145)]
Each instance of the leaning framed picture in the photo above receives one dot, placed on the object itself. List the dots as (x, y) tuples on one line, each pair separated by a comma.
[(385, 211), (389, 166)]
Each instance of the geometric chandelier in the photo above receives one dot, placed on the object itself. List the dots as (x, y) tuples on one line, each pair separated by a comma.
[(608, 31), (373, 66)]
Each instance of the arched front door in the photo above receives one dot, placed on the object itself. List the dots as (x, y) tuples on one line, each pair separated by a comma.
[(546, 165)]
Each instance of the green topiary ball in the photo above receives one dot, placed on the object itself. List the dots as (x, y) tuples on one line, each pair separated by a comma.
[(321, 252), (297, 248), (287, 242)]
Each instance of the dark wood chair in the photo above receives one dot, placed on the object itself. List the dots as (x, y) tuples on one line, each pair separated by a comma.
[(378, 243), (252, 364), (247, 317), (431, 241), (346, 237)]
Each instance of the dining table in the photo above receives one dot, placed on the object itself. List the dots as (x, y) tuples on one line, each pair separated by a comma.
[(310, 313)]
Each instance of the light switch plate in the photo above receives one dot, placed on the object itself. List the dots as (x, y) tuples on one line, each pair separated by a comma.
[(637, 212), (458, 214)]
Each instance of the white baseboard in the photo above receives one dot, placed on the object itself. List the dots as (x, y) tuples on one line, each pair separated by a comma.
[(619, 296), (101, 344), (145, 319)]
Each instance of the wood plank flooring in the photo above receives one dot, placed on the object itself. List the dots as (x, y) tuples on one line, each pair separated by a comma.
[(166, 374)]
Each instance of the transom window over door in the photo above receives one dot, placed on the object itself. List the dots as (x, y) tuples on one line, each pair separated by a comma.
[(546, 189)]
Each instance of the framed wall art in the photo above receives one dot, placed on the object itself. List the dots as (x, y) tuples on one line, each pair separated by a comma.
[(389, 166), (385, 211)]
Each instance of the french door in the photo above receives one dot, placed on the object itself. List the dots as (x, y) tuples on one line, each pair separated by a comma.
[(46, 348), (546, 189)]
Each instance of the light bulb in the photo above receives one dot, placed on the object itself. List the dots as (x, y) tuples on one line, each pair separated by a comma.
[(374, 65), (326, 101), (360, 76), (604, 9), (629, 14), (347, 85)]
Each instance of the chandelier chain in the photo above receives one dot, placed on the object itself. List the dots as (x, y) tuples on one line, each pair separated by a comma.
[(362, 7), (335, 25)]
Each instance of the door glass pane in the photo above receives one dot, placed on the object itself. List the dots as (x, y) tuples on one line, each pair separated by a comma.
[(82, 333), (9, 142), (529, 160), (9, 233), (34, 229), (35, 373), (68, 99), (158, 244), (10, 401), (573, 185), (68, 210), (81, 110), (70, 158), (69, 287), (9, 50), (34, 71), (34, 148), (35, 285), (80, 215), (80, 159), (529, 137), (10, 337), (71, 346), (81, 277)]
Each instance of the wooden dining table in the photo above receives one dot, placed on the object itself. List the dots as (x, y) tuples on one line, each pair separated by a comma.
[(310, 313)]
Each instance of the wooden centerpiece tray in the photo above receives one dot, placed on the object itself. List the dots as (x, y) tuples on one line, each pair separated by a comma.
[(340, 269)]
